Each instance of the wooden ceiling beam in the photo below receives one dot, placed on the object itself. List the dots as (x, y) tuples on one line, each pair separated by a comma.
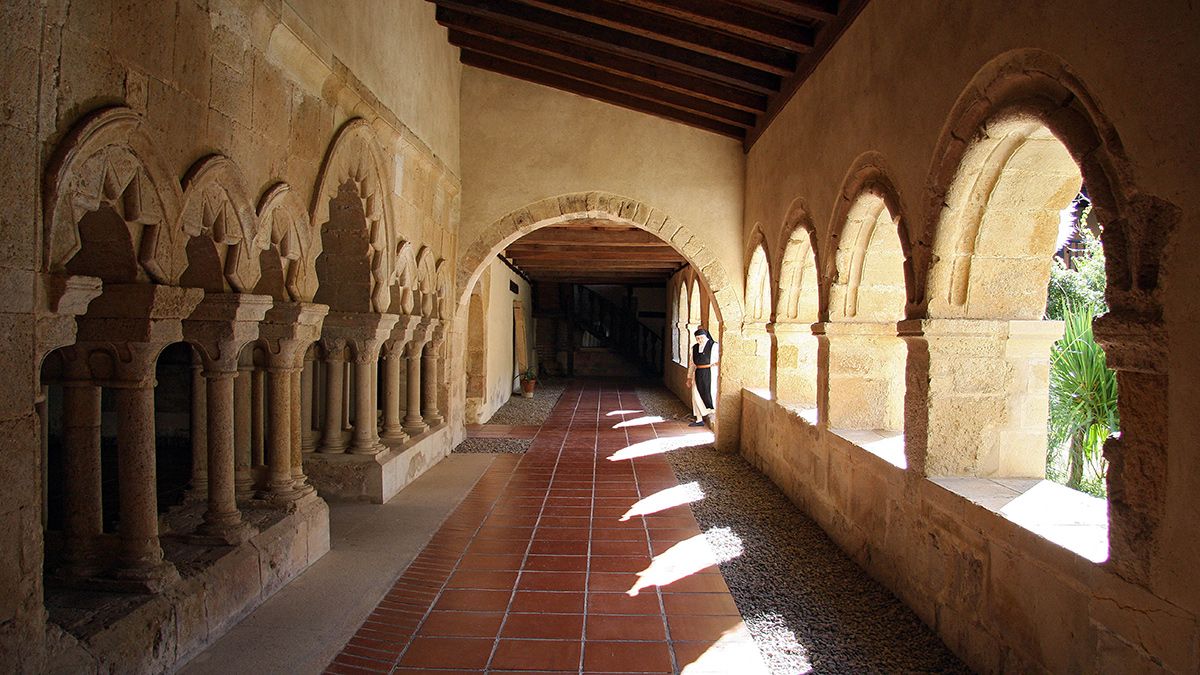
[(523, 72), (674, 31), (587, 255), (616, 65), (610, 41), (580, 235), (590, 75), (740, 21), (812, 10), (848, 11)]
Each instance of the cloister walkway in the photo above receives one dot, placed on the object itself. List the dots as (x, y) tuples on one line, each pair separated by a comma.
[(579, 556)]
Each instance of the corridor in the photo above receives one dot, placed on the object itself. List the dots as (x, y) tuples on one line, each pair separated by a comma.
[(583, 555)]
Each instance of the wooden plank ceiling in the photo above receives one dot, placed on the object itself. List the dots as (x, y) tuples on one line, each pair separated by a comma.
[(727, 66), (594, 252)]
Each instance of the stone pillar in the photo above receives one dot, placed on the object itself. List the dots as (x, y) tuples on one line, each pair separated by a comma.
[(83, 521), (280, 484), (414, 423), (977, 396), (365, 440), (242, 435), (794, 365), (199, 426), (866, 376), (299, 480), (393, 432), (430, 359), (258, 391), (219, 328), (331, 439), (308, 437), (222, 520)]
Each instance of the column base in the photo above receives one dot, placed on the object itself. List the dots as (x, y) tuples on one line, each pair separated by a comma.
[(198, 493), (415, 428), (291, 501), (226, 534), (373, 449), (393, 436), (152, 578), (434, 420)]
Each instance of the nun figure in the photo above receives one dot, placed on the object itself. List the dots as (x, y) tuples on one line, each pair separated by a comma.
[(701, 375)]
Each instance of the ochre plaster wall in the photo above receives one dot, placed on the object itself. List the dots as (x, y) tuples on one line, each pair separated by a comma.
[(1000, 598), (247, 79), (523, 142), (501, 360)]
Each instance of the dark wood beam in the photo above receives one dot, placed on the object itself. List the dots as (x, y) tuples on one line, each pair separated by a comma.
[(613, 42), (604, 281), (586, 256), (564, 83), (675, 32), (848, 11), (813, 10), (590, 75), (740, 21), (579, 235)]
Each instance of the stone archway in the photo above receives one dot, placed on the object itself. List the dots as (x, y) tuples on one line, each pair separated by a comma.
[(568, 208)]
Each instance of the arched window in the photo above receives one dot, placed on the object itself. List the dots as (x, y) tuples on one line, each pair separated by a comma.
[(758, 314), (798, 308), (867, 298), (681, 318)]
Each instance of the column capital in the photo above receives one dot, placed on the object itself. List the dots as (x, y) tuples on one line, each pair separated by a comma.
[(288, 329), (128, 325), (58, 300), (221, 325), (364, 332)]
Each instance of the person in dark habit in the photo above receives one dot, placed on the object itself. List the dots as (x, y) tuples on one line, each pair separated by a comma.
[(702, 375)]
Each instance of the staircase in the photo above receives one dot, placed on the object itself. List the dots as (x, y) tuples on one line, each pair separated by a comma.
[(605, 324)]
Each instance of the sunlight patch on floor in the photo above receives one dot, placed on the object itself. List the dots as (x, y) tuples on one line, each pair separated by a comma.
[(666, 499), (705, 550), (639, 422), (658, 446)]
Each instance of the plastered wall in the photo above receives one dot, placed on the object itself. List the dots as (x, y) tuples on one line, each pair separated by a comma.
[(882, 96), (502, 372)]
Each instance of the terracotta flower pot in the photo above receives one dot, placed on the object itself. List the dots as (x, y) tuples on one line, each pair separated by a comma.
[(527, 387)]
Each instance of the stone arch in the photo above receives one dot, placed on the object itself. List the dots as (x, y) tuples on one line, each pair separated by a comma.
[(868, 269), (795, 348), (426, 280), (694, 304), (591, 205), (109, 169), (355, 158), (224, 238), (758, 279), (442, 290), (404, 279), (293, 241), (867, 214), (1027, 95), (681, 313)]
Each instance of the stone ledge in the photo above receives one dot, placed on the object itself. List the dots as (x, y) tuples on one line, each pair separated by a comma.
[(158, 633), (377, 478)]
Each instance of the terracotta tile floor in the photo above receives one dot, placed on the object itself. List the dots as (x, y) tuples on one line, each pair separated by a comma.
[(564, 560)]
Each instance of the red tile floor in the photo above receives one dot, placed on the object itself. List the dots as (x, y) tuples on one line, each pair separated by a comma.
[(580, 556)]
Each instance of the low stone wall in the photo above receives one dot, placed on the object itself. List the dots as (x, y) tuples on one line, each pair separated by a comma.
[(167, 629), (377, 478), (1003, 598)]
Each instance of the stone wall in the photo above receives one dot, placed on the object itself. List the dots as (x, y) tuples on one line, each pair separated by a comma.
[(253, 80), (898, 116)]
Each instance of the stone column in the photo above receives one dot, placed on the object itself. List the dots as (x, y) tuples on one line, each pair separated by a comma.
[(365, 440), (258, 392), (199, 425), (414, 423), (83, 521), (794, 369), (331, 439), (299, 481), (393, 432), (308, 438), (242, 435), (280, 484), (219, 328), (866, 376), (430, 358)]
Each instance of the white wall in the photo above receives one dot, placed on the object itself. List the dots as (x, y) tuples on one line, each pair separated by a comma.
[(502, 376)]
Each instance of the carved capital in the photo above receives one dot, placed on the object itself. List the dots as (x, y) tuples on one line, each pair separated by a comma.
[(222, 324)]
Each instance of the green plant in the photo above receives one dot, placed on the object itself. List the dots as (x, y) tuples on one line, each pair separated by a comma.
[(530, 374), (1083, 400), (1082, 284)]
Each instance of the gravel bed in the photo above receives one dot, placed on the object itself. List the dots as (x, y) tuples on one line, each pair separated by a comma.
[(511, 446), (532, 411), (809, 607), (660, 401)]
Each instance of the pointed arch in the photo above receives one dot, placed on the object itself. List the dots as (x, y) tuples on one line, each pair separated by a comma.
[(426, 280), (799, 283), (292, 239), (355, 158), (219, 220), (108, 165), (758, 278), (694, 305), (442, 289)]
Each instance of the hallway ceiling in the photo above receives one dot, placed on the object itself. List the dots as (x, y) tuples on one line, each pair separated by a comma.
[(727, 66), (594, 252)]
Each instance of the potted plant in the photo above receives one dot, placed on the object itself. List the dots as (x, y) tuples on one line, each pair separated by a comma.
[(528, 382)]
